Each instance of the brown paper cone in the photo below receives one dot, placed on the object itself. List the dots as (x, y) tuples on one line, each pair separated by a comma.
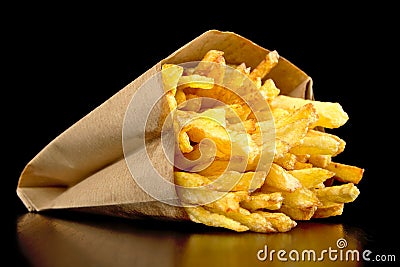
[(84, 167)]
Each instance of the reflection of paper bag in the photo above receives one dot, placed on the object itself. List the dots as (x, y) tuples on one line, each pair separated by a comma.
[(85, 168)]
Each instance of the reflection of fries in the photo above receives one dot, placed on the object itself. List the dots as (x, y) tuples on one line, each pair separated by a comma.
[(297, 186)]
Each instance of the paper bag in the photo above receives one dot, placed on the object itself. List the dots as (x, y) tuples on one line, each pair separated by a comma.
[(85, 168)]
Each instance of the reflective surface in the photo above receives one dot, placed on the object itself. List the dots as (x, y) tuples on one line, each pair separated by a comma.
[(76, 240)]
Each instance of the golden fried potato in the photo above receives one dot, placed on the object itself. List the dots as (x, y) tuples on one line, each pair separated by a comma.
[(229, 181), (203, 152), (345, 173), (281, 148), (319, 143), (225, 133), (254, 221), (192, 189), (306, 112), (229, 202), (184, 142), (180, 98), (217, 167), (303, 158), (192, 103), (293, 133), (279, 221), (195, 81), (280, 180), (237, 181), (218, 94), (320, 160), (300, 204), (279, 113), (294, 127), (190, 179), (328, 209), (237, 113), (249, 126), (212, 65), (302, 165), (265, 66), (199, 214), (170, 77), (201, 128), (330, 115), (258, 201), (287, 161), (269, 90), (338, 193), (235, 78), (311, 177)]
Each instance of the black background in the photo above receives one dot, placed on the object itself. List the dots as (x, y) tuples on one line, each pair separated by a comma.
[(62, 62)]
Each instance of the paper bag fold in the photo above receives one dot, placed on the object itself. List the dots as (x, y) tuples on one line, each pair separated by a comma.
[(84, 167)]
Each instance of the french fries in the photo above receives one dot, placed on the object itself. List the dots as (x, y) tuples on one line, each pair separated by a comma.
[(226, 144)]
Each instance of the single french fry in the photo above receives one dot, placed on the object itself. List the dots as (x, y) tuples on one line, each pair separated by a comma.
[(180, 98), (192, 189), (242, 68), (257, 201), (190, 179), (287, 161), (247, 181), (294, 127), (310, 177), (249, 126), (338, 193), (199, 214), (320, 161), (293, 133), (281, 148), (302, 157), (330, 114), (205, 150), (279, 113), (269, 90), (229, 202), (307, 112), (280, 221), (184, 142), (303, 213), (302, 165), (201, 128), (278, 179), (171, 74), (195, 81), (255, 222), (212, 65), (265, 66), (328, 210), (217, 93), (319, 143), (192, 102), (300, 204), (237, 113), (229, 181), (320, 185), (346, 173), (216, 167)]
